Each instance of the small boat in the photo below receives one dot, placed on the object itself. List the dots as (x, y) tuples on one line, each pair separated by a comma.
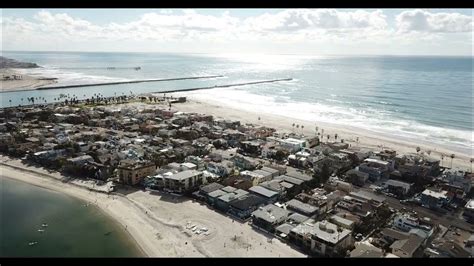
[(32, 243), (108, 233), (44, 225), (41, 230)]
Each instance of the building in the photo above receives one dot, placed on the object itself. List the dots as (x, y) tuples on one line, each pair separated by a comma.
[(301, 207), (406, 223), (182, 182), (458, 178), (269, 195), (300, 176), (244, 163), (469, 210), (221, 169), (366, 250), (376, 169), (322, 238), (290, 144), (256, 176), (342, 222), (132, 172), (80, 160), (269, 217), (206, 189), (432, 199), (398, 188), (357, 177), (223, 202), (375, 200), (273, 172), (406, 248), (243, 207), (454, 243)]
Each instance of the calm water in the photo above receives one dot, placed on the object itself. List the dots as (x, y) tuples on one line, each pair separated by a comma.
[(73, 230), (422, 98)]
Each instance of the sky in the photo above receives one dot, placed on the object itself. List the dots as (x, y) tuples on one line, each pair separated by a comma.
[(234, 31)]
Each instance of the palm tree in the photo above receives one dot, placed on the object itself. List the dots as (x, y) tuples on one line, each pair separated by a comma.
[(328, 137), (472, 160), (302, 127), (10, 102), (442, 159), (452, 157), (418, 149), (429, 152), (335, 136)]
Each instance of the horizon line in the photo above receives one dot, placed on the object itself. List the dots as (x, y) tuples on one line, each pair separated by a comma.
[(232, 53)]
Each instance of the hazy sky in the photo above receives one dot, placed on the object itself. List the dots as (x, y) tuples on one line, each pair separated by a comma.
[(270, 31)]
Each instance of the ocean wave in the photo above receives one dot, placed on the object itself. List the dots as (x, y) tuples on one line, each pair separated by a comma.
[(65, 77), (370, 119)]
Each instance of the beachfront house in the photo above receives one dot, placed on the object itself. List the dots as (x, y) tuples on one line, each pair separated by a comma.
[(268, 217), (322, 238), (243, 207), (132, 172), (181, 182), (269, 195)]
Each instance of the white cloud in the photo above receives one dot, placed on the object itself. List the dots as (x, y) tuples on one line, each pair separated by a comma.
[(291, 20), (424, 21), (295, 28)]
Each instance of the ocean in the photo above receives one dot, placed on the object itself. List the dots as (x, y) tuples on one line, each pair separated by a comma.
[(424, 98), (73, 230)]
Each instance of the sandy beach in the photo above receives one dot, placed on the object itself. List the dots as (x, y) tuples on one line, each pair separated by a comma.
[(25, 84), (158, 222), (367, 139)]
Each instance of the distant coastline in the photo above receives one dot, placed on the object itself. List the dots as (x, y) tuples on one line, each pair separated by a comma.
[(13, 80), (12, 63)]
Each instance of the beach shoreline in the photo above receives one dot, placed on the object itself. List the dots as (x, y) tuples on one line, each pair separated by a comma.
[(27, 82), (366, 139), (156, 222)]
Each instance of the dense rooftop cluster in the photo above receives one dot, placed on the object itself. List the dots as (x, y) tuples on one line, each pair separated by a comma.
[(325, 198)]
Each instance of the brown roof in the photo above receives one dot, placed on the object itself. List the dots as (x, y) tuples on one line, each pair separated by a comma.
[(366, 251), (409, 245)]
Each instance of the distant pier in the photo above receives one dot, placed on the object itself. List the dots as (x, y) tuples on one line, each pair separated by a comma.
[(122, 82)]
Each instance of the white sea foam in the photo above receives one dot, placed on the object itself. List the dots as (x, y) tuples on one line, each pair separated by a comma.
[(367, 118), (66, 77)]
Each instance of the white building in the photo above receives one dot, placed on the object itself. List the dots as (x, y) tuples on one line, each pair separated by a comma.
[(406, 222), (322, 237), (290, 144)]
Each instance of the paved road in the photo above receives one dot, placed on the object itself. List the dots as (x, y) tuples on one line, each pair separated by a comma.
[(449, 219)]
